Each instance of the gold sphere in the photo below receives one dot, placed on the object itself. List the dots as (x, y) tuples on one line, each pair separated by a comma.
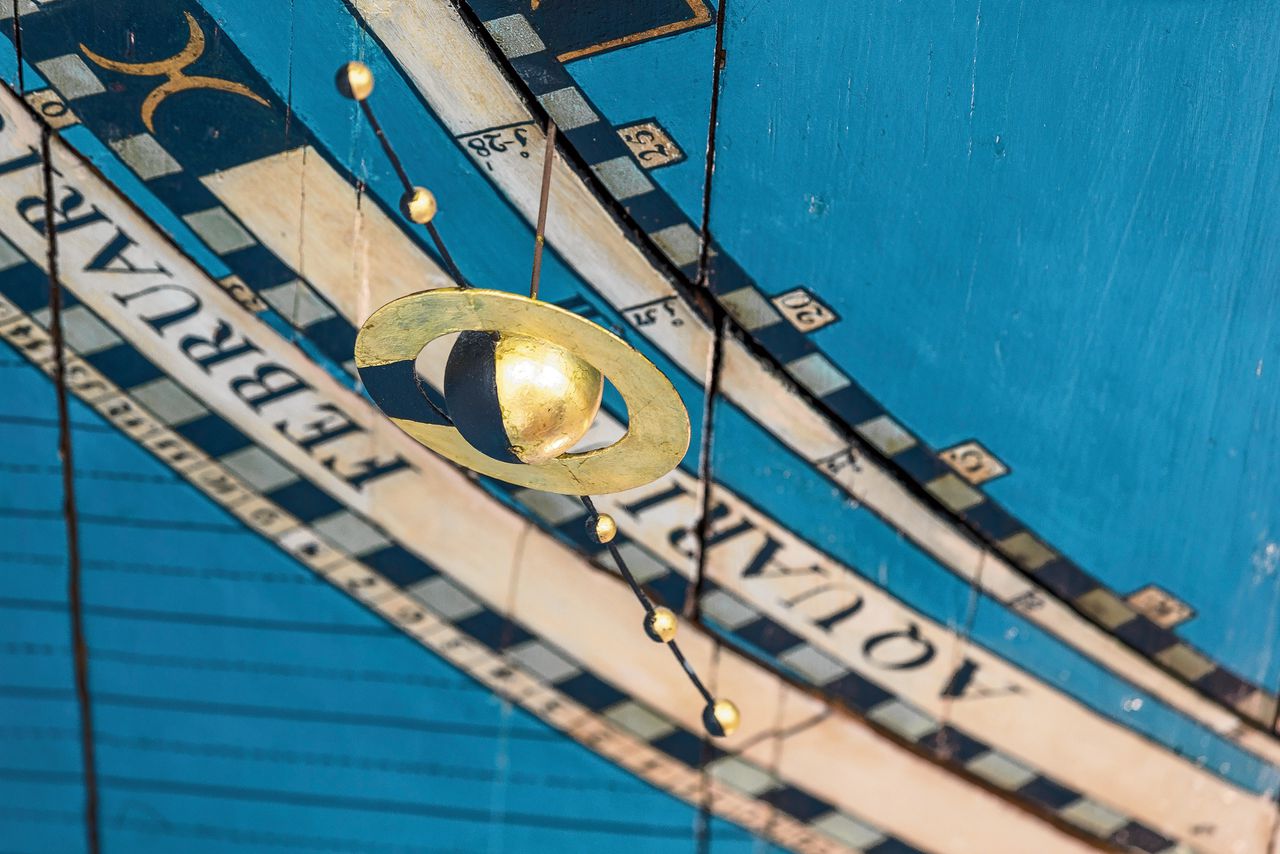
[(355, 81), (721, 718), (419, 205), (602, 528), (660, 625), (518, 398), (548, 396)]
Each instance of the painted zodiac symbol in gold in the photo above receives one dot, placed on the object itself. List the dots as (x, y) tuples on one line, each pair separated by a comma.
[(173, 69)]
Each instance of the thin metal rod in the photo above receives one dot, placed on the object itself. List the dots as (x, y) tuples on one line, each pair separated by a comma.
[(446, 257), (648, 605), (75, 599), (702, 530), (17, 46), (709, 166), (693, 677), (694, 606), (367, 109), (617, 558), (631, 579), (538, 240)]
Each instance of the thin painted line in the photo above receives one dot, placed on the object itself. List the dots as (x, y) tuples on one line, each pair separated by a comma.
[(507, 126), (700, 16), (127, 521), (203, 619), (90, 474), (167, 569), (241, 665), (296, 715), (287, 756), (347, 801), (36, 421)]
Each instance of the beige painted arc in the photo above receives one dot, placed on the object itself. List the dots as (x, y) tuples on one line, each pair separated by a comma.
[(1013, 724), (469, 535), (454, 72)]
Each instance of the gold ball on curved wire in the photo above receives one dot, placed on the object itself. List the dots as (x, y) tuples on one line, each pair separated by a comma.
[(419, 205), (660, 625), (355, 81), (602, 529), (657, 430), (721, 718)]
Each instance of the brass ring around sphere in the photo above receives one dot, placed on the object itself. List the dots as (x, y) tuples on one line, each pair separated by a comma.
[(658, 427)]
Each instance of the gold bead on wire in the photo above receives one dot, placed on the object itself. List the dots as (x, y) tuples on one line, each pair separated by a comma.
[(355, 81), (419, 205), (660, 624), (721, 718), (602, 528)]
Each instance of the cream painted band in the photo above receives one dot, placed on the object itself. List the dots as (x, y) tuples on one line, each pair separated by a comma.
[(658, 427)]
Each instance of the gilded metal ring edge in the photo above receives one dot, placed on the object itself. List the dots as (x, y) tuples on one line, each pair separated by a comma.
[(658, 431)]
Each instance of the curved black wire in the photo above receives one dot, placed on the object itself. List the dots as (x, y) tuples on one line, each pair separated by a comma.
[(454, 272), (647, 603), (367, 109)]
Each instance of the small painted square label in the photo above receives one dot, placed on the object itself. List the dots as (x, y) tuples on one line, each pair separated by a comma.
[(650, 144), (973, 462), (804, 310), (55, 112), (1160, 606)]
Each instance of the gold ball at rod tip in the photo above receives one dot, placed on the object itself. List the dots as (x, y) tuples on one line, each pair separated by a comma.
[(602, 528), (419, 205), (355, 81), (660, 625), (721, 718)]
